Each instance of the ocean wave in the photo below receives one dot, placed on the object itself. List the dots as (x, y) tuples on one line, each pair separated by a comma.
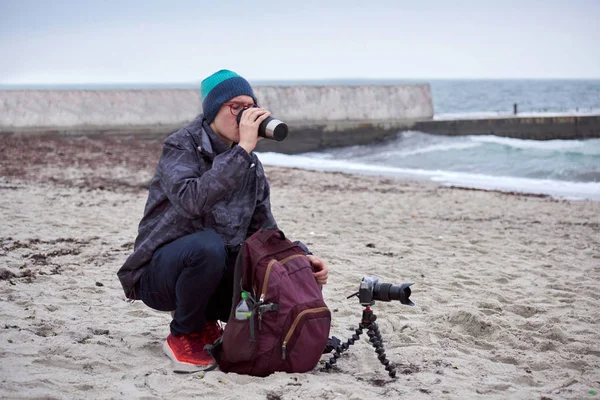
[(555, 188), (396, 153), (587, 146), (438, 147), (406, 144)]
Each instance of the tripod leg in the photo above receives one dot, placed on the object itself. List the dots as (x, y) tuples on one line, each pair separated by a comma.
[(377, 342), (343, 347)]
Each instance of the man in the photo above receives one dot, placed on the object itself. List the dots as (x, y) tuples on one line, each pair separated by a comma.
[(208, 194)]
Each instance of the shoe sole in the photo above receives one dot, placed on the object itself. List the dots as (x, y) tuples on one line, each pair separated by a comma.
[(183, 367)]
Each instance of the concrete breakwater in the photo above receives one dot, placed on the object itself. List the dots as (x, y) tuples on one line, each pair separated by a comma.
[(318, 116), (526, 127), (122, 108)]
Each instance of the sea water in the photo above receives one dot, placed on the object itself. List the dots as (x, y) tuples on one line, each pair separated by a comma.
[(560, 168)]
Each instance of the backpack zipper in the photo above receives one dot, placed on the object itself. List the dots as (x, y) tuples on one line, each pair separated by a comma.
[(263, 292), (265, 284), (293, 327)]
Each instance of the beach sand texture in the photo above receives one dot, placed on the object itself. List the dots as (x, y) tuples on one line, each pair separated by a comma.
[(506, 286)]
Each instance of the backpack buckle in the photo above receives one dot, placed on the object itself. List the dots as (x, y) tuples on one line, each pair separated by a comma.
[(264, 308)]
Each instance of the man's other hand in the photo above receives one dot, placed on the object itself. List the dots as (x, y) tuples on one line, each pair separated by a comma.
[(321, 271)]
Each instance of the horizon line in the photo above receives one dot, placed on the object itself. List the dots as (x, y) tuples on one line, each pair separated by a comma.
[(275, 81)]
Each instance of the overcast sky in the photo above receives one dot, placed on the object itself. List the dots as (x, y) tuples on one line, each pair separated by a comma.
[(87, 41)]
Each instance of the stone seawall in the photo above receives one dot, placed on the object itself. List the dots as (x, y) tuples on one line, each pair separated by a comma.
[(536, 128), (319, 117), (102, 109)]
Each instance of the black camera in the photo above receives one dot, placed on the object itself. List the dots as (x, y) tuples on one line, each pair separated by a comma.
[(270, 128), (370, 290)]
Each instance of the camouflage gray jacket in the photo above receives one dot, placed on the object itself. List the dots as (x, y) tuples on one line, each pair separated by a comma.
[(199, 183)]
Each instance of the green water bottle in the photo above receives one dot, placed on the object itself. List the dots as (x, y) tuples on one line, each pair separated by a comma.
[(243, 310)]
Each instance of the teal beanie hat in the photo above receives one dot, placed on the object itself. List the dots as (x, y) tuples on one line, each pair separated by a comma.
[(221, 86)]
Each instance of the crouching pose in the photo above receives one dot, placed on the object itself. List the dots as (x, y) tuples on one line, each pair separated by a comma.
[(208, 194)]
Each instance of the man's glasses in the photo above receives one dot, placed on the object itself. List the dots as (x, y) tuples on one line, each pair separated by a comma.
[(236, 108)]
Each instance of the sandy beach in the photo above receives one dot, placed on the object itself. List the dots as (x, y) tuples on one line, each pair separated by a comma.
[(505, 285)]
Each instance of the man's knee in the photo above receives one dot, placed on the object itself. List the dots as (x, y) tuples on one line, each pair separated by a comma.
[(206, 247)]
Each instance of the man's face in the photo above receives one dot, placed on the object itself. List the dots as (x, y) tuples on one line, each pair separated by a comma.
[(225, 123)]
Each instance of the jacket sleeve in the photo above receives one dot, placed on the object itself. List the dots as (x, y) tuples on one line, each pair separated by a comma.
[(262, 217), (190, 186)]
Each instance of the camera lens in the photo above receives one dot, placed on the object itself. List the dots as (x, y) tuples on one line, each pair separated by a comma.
[(389, 292), (270, 128)]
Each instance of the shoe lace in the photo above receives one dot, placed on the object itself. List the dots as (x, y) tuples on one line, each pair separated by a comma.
[(192, 343)]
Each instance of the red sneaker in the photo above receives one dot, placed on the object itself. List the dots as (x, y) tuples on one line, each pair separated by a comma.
[(187, 352), (211, 332)]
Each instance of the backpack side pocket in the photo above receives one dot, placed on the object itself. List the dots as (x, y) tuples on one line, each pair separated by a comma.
[(238, 344)]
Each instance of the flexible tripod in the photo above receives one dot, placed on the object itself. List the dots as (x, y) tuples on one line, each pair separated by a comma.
[(367, 322)]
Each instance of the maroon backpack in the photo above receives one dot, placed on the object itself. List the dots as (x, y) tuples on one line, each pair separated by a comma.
[(289, 325)]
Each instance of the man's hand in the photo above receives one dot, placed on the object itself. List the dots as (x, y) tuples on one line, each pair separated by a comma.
[(249, 123), (321, 271)]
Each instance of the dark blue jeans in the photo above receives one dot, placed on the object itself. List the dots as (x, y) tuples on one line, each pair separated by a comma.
[(193, 276)]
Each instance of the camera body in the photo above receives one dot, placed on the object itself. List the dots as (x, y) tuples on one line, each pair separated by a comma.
[(370, 290)]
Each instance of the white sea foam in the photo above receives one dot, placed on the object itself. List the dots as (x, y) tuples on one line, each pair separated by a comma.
[(438, 147), (396, 152), (555, 188)]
